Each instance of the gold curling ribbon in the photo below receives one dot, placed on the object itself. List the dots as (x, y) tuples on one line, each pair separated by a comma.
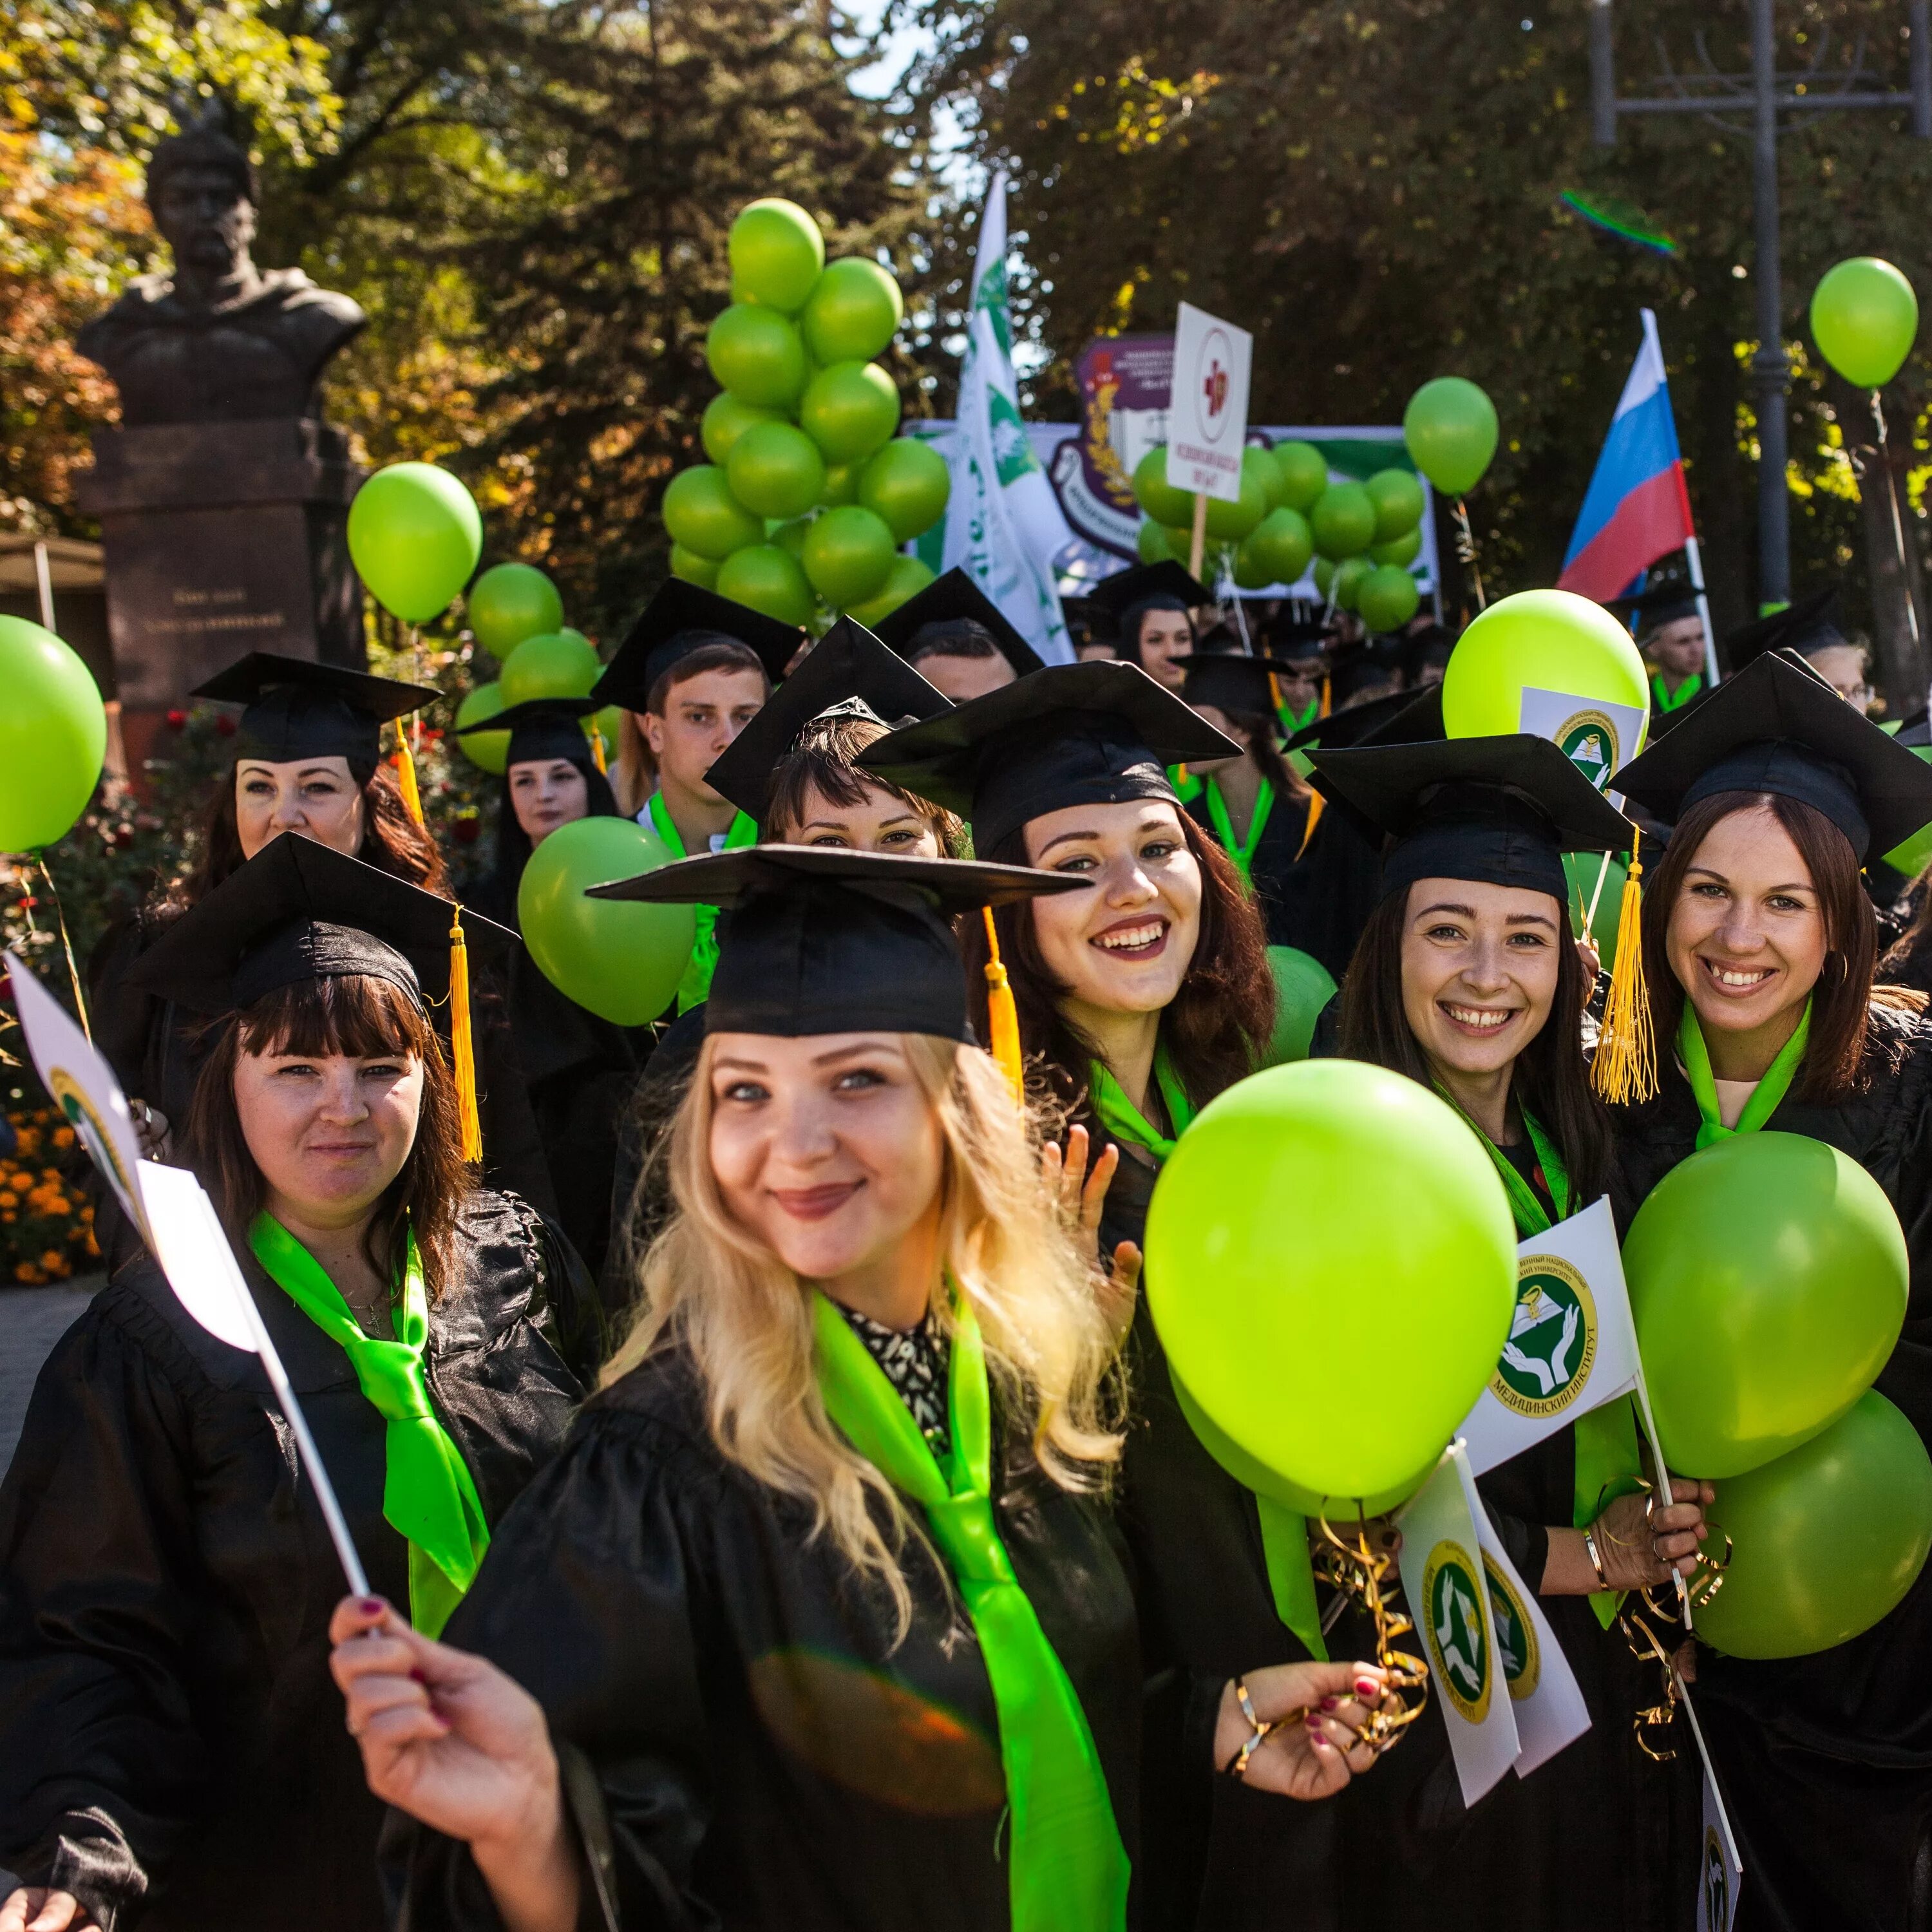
[(462, 1046), (1659, 1719), (1363, 1575), (406, 778), (1003, 1016), (1625, 1068)]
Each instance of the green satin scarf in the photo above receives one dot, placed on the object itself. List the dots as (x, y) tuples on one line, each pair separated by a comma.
[(695, 987), (428, 1496), (1670, 701), (1242, 851), (1765, 1096), (1069, 1870), (1125, 1122)]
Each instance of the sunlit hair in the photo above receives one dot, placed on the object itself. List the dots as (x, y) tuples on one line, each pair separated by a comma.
[(634, 776), (708, 1284), (365, 1018), (824, 759)]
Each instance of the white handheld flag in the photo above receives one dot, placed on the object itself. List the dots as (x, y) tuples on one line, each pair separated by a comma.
[(1721, 1871), (1550, 1711), (1596, 735)]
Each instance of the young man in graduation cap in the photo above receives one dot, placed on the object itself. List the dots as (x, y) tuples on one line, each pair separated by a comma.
[(1671, 636), (958, 640), (1151, 607), (1302, 644)]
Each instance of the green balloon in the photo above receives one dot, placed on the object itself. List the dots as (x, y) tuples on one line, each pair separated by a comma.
[(1582, 870), (726, 418), (53, 736), (1865, 317), (790, 536), (1767, 1279), (701, 514), (776, 470), (842, 484), (560, 663), (767, 578), (776, 254), (1303, 987), (906, 486), (1158, 497), (850, 410), (906, 579), (853, 312), (511, 601), (488, 751), (1825, 1541), (1324, 577), (757, 354), (687, 564), (1303, 471), (1305, 1161), (1229, 522), (1397, 497), (621, 958), (1265, 467), (1387, 597), (1544, 641), (1403, 549), (1342, 521), (1351, 574), (1250, 573), (1282, 544), (1450, 427), (415, 534), (1150, 544), (847, 553)]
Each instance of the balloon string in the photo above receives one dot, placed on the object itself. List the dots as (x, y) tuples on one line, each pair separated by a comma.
[(1897, 525), (1360, 1574), (66, 945), (1465, 551)]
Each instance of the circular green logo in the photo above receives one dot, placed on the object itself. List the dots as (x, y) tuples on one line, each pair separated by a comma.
[(1553, 1338), (1589, 741), (1716, 1883), (1516, 1649), (1457, 1645)]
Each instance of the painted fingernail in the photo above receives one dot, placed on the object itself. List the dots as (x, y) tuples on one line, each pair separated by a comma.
[(1331, 1703), (1366, 1687), (371, 1606), (417, 1677)]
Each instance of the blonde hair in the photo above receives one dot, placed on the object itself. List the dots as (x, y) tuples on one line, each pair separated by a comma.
[(706, 1283)]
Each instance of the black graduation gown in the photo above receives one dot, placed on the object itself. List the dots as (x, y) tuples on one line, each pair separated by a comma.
[(172, 1746), (1280, 888), (1826, 1760), (744, 1744), (1326, 897)]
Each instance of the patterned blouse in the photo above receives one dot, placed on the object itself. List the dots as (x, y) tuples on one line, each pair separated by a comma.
[(916, 1361)]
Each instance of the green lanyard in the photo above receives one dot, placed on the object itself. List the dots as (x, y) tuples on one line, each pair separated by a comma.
[(1669, 700), (695, 987), (1528, 1211), (1241, 851), (1291, 724), (429, 1497), (1125, 1122), (1069, 1871), (1766, 1096)]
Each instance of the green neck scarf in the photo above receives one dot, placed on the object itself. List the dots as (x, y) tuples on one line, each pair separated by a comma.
[(1242, 851), (1766, 1096), (428, 1497), (1528, 1212), (1187, 785), (695, 987), (1069, 1871), (1125, 1121), (1670, 701), (1292, 724)]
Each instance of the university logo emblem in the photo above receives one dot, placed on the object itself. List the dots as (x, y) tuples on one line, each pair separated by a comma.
[(1459, 1651), (1516, 1649), (1553, 1338), (1589, 741), (1717, 1887), (89, 1129)]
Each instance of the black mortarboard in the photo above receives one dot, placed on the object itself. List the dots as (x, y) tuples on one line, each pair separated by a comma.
[(1231, 681), (680, 619), (819, 940), (1095, 734), (1147, 586), (541, 727), (1778, 726), (1297, 639), (299, 910), (297, 708), (1501, 810), (947, 599), (1661, 603), (1357, 724), (848, 663), (1357, 666), (1810, 625), (1219, 639)]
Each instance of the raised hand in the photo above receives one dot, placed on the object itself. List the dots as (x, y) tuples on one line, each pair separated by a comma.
[(1320, 1748)]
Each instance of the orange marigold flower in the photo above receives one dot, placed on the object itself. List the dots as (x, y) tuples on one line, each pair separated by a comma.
[(53, 1260), (26, 1271), (63, 1137), (8, 1199)]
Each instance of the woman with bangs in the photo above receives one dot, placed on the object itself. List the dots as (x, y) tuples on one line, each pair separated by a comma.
[(169, 1744), (819, 1620)]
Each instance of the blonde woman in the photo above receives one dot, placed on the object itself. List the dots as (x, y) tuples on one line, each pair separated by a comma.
[(819, 1620)]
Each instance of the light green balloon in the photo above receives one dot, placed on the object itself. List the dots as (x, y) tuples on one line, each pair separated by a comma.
[(906, 486), (687, 564), (1351, 574), (1403, 549), (1825, 1541), (1262, 459), (1305, 1161), (1303, 988), (842, 484), (620, 959), (488, 751), (776, 254), (906, 579), (53, 736), (1545, 641), (1451, 429), (852, 313), (776, 470), (1398, 500), (1865, 317), (1342, 521), (1768, 1277), (756, 354), (847, 554), (414, 535), (561, 664), (726, 418), (1912, 857), (1303, 471), (766, 578), (1282, 545), (850, 409), (1150, 544), (701, 514), (1156, 496), (509, 602), (1229, 522), (608, 725)]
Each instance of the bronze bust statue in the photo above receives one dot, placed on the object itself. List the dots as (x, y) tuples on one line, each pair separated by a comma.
[(219, 340)]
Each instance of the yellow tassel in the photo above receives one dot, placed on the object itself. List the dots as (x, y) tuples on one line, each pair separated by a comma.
[(1003, 1016), (1625, 1069), (1315, 802), (462, 1046), (1179, 777), (597, 752), (1327, 693), (1274, 691), (406, 778)]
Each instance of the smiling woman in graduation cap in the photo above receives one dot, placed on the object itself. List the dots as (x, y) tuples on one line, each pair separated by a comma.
[(1758, 949), (170, 1746), (819, 1620)]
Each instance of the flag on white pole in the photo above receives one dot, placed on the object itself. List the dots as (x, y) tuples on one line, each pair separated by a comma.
[(1721, 1871)]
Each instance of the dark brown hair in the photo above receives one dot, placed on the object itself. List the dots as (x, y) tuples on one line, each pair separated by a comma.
[(1261, 731), (363, 1018), (1550, 1079), (824, 758), (1834, 1062), (952, 638), (1215, 1029)]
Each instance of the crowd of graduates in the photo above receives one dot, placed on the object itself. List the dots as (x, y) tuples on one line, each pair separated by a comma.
[(777, 1509)]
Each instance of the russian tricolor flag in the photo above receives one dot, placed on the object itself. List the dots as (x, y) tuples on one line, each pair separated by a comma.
[(1637, 509)]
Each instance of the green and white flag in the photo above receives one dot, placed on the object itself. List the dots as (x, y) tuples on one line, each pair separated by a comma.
[(1443, 1580), (1004, 524)]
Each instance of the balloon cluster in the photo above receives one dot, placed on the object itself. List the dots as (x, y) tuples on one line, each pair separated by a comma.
[(1362, 536), (808, 493)]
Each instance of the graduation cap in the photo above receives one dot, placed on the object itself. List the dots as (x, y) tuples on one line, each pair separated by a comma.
[(1778, 726), (954, 598), (682, 618), (1147, 586), (820, 939), (848, 671), (1356, 723), (297, 708), (1231, 681), (1355, 667), (1662, 603), (1300, 640), (541, 728), (1811, 624), (1501, 810), (1095, 734)]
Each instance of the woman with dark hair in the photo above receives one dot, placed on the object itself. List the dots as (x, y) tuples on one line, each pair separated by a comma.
[(169, 1744), (1758, 948), (1152, 607)]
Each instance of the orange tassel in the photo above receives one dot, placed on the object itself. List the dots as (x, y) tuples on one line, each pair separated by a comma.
[(598, 753), (1274, 691), (462, 1044), (1315, 802), (1003, 1016), (405, 779), (1625, 1067)]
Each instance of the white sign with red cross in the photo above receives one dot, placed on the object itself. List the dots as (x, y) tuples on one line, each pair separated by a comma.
[(1207, 408)]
